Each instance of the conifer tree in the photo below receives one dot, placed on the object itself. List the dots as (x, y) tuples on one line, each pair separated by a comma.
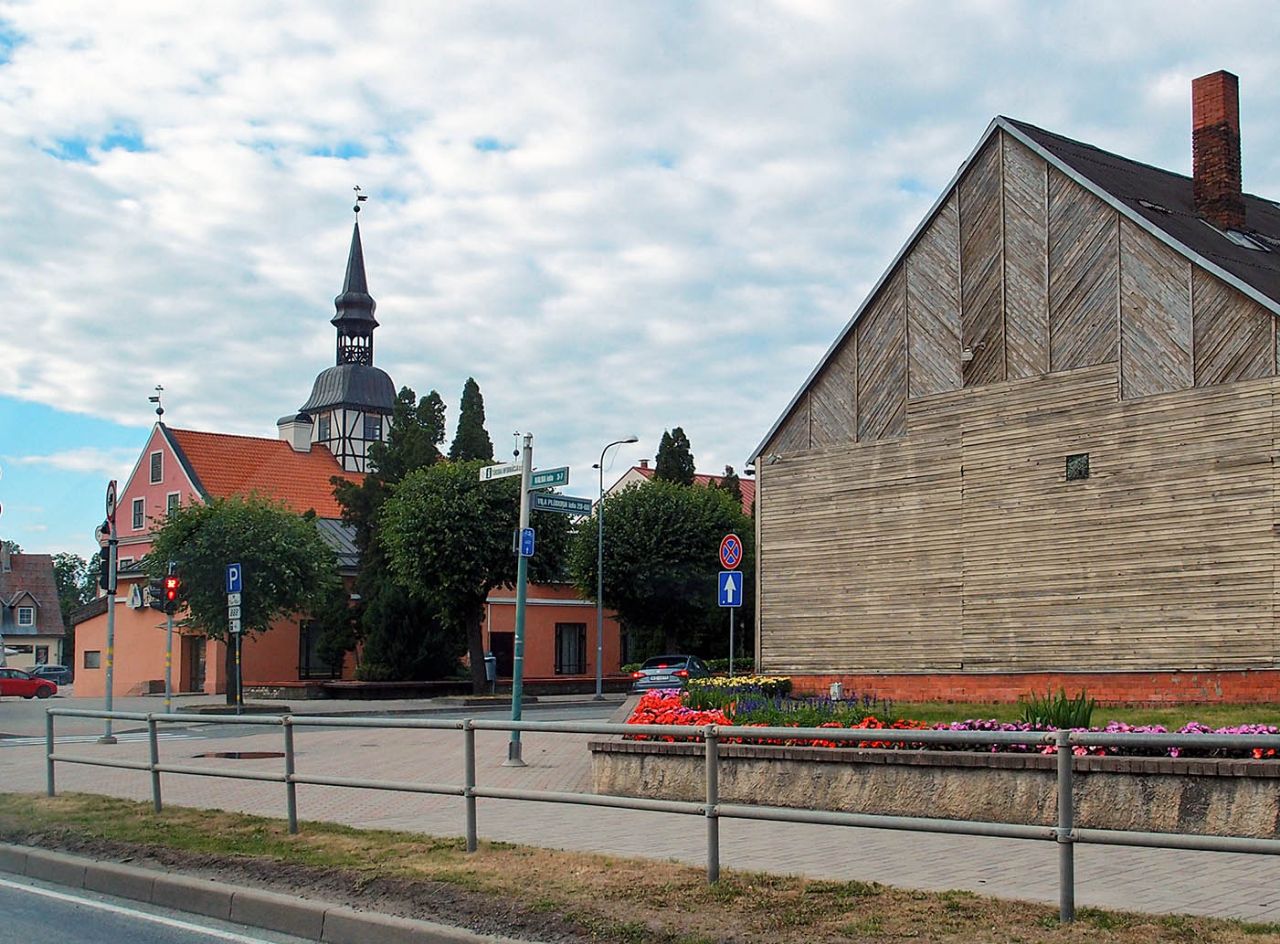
[(471, 440), (674, 461), (732, 484)]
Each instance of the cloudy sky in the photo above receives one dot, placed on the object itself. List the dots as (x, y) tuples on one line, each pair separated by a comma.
[(619, 217)]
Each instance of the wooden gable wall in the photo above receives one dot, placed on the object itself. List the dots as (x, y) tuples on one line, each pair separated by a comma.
[(1032, 274)]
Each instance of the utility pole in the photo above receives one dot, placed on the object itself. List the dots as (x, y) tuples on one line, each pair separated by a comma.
[(112, 543), (168, 652), (522, 579)]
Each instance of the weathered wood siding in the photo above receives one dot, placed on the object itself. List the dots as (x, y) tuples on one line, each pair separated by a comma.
[(833, 398), (962, 545), (882, 364), (933, 305), (1026, 261), (1233, 334), (1084, 275), (981, 262), (1155, 303)]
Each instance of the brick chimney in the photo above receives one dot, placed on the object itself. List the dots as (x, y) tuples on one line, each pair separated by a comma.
[(1215, 149)]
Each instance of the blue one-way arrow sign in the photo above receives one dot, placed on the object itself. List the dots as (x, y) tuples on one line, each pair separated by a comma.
[(730, 588)]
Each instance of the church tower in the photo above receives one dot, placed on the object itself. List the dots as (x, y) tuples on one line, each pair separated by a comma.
[(350, 404)]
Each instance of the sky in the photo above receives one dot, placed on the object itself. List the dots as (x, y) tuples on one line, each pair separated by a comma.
[(619, 217)]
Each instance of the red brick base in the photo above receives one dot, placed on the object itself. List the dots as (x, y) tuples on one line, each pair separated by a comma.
[(1149, 688)]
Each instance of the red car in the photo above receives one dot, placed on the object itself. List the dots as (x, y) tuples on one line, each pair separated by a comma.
[(17, 682)]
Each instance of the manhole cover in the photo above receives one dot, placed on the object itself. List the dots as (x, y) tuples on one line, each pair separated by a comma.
[(242, 755)]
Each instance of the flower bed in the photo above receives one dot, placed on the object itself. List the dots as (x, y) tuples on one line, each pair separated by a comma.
[(746, 704)]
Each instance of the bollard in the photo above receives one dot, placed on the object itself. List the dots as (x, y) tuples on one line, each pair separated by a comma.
[(713, 797), (469, 781), (153, 741), (290, 788), (1066, 822), (48, 754)]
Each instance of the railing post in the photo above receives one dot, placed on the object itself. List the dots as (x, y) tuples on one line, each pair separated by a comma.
[(50, 788), (1066, 823), (469, 781), (290, 788), (712, 740), (153, 741)]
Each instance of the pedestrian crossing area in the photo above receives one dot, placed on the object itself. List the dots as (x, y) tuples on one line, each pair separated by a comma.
[(130, 737)]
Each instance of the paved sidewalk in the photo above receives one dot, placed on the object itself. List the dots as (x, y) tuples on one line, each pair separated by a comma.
[(1152, 880)]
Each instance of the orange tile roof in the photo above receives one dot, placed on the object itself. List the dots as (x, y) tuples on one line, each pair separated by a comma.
[(746, 486), (225, 465)]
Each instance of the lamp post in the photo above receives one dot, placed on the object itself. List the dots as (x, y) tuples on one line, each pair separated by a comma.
[(600, 570)]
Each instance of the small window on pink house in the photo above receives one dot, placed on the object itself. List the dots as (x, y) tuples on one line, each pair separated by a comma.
[(157, 467), (171, 504), (139, 518)]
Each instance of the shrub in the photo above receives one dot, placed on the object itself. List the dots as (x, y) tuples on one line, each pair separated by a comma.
[(1057, 711)]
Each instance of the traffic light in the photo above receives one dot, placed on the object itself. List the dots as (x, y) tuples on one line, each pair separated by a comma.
[(104, 568), (170, 593)]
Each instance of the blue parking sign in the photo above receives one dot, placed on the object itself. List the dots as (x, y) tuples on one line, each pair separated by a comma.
[(235, 578), (730, 585)]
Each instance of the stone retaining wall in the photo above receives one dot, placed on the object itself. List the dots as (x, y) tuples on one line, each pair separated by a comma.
[(1219, 797)]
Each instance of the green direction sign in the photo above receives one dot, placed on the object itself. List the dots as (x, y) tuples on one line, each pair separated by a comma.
[(550, 478), (564, 504)]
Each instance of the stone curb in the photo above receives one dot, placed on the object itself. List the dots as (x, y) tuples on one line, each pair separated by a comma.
[(287, 914)]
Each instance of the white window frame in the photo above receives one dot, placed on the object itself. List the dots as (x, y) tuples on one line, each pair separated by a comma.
[(29, 612), (171, 502), (139, 512), (151, 470)]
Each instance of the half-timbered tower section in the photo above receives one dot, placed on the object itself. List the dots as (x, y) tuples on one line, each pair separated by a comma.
[(1042, 450)]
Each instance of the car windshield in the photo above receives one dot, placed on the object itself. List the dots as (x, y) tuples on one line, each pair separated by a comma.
[(665, 662)]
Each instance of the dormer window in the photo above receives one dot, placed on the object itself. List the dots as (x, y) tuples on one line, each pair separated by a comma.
[(26, 616), (157, 467)]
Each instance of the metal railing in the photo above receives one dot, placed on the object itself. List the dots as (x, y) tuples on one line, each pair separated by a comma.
[(1065, 834)]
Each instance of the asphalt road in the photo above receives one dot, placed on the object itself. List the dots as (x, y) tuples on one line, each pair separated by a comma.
[(32, 912)]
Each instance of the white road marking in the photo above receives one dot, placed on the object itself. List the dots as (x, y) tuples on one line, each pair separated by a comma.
[(133, 913)]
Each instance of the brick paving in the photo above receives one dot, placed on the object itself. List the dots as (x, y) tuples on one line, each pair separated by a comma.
[(1157, 881)]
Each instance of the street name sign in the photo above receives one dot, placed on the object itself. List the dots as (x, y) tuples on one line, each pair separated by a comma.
[(564, 504), (730, 588), (550, 478), (491, 472)]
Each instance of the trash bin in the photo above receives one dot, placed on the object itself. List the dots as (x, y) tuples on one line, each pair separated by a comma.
[(491, 670)]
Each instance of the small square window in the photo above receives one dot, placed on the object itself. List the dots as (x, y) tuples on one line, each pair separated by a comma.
[(373, 428), (157, 467), (1078, 467), (26, 616), (139, 518), (93, 659)]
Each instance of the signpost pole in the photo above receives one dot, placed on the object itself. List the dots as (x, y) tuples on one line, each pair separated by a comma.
[(239, 674), (168, 664), (112, 543), (522, 577), (731, 642)]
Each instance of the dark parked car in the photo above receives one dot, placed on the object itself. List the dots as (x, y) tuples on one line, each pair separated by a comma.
[(57, 674), (17, 682), (668, 672)]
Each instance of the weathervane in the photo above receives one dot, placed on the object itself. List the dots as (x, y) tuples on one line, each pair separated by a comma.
[(360, 198), (156, 401)]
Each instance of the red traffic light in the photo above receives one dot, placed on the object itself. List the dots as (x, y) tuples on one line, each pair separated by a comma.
[(170, 589)]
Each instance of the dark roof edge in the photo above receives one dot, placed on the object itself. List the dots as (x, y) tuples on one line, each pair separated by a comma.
[(1000, 123), (187, 467)]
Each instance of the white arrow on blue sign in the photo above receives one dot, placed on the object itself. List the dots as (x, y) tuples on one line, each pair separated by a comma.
[(234, 578), (730, 588)]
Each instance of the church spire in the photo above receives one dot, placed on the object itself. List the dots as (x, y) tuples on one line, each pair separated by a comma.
[(355, 306)]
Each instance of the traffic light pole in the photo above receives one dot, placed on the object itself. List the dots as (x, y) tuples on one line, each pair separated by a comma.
[(168, 664), (522, 579), (112, 542)]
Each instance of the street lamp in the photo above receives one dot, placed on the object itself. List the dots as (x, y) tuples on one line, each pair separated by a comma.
[(600, 570)]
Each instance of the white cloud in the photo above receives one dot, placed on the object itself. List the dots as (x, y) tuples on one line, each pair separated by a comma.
[(102, 462), (685, 203)]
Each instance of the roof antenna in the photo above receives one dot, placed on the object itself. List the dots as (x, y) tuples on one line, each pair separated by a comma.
[(156, 401), (360, 198)]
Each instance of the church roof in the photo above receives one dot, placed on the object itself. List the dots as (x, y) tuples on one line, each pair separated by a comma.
[(355, 303), (222, 466), (355, 386)]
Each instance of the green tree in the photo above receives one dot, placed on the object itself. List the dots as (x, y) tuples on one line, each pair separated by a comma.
[(471, 440), (448, 537), (674, 461), (76, 580), (661, 562), (287, 566), (731, 483), (402, 639)]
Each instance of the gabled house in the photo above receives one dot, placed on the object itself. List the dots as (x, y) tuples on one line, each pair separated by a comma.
[(31, 628), (1041, 451), (643, 472), (349, 409)]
